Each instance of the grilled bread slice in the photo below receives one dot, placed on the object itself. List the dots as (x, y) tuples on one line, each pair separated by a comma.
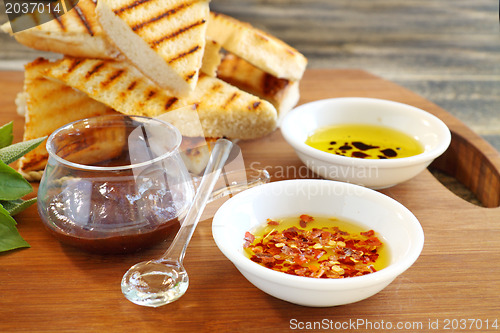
[(75, 33), (282, 93), (223, 110), (262, 50), (49, 105), (164, 39)]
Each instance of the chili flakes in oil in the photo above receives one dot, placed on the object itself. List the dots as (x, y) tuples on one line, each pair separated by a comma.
[(326, 252)]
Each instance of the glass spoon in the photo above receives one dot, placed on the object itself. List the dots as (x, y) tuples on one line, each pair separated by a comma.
[(161, 281)]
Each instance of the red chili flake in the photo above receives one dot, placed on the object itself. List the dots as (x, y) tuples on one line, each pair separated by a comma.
[(319, 273), (300, 259), (266, 258), (291, 233), (257, 249), (274, 250), (306, 218), (315, 233), (272, 222), (313, 268), (368, 233), (249, 237), (300, 271), (373, 241)]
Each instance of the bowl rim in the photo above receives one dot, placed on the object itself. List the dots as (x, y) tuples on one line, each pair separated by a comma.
[(389, 273), (302, 147)]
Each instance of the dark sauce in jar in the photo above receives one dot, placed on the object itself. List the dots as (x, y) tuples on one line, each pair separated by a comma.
[(119, 244), (121, 214)]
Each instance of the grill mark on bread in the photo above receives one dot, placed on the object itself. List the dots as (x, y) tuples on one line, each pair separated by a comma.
[(168, 12), (60, 22), (132, 85), (170, 102), (190, 76), (151, 94), (177, 33), (211, 91), (112, 77), (230, 100), (130, 6), (255, 105), (74, 63), (94, 69), (184, 54), (215, 87), (84, 20)]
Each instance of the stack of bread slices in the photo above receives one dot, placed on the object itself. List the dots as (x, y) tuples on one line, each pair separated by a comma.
[(152, 57)]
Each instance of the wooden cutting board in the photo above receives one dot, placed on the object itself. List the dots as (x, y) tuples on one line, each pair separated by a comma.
[(454, 284)]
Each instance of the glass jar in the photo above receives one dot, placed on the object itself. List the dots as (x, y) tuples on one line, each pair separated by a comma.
[(114, 184)]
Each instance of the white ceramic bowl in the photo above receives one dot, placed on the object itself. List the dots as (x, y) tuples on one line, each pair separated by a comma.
[(429, 130), (397, 226)]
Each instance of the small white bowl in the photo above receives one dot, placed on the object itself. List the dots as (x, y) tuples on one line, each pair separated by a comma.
[(397, 226), (429, 130)]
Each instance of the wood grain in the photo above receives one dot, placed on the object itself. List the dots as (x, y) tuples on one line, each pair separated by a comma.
[(52, 287)]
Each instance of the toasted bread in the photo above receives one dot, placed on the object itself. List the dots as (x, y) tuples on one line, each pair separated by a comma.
[(164, 39), (76, 33), (48, 105), (282, 93), (195, 153), (262, 50), (212, 58), (223, 110)]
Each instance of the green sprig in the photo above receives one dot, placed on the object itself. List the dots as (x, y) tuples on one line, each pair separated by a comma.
[(13, 187)]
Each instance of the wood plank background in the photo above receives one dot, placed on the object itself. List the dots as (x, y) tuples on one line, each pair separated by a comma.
[(446, 51)]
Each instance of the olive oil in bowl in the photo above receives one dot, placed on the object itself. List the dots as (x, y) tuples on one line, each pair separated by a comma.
[(364, 141)]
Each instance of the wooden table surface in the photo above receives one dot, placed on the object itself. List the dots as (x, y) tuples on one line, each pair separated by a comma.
[(456, 280)]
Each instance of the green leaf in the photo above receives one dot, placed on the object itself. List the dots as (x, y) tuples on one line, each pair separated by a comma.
[(11, 153), (6, 136), (12, 185), (10, 238), (16, 206), (5, 217)]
